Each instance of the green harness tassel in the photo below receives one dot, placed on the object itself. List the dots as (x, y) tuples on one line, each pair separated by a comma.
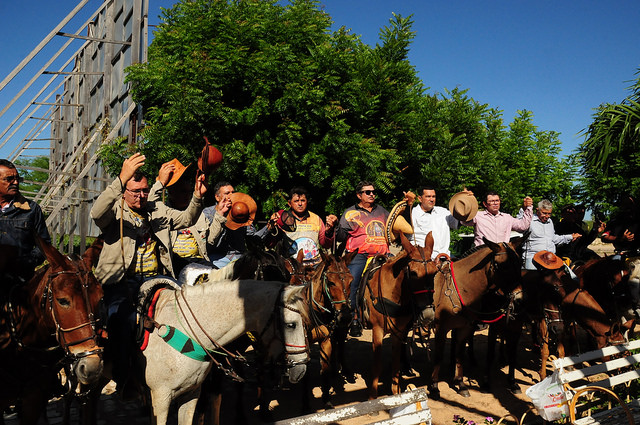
[(183, 344)]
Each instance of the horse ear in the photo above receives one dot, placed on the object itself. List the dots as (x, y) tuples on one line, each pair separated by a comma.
[(406, 245), (494, 246), (428, 245), (54, 257), (349, 257), (324, 256), (400, 264), (92, 254), (300, 256), (516, 243)]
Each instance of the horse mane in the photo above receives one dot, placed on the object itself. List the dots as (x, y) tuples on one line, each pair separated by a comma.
[(472, 250)]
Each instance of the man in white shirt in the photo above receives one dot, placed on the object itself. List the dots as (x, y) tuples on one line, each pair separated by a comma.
[(428, 217)]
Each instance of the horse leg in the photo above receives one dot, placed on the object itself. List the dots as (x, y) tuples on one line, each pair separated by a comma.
[(464, 334), (326, 352), (544, 348), (491, 354), (376, 369), (513, 332), (208, 405), (397, 347), (438, 348), (341, 365), (188, 407), (160, 401)]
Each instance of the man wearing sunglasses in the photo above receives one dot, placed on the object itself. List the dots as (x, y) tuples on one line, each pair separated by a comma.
[(20, 219), (362, 228)]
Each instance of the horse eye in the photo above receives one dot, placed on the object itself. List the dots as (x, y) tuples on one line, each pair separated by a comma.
[(64, 302), (291, 325)]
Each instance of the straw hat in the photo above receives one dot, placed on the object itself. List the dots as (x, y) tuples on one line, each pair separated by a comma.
[(547, 260), (179, 171), (397, 222), (242, 212), (463, 206)]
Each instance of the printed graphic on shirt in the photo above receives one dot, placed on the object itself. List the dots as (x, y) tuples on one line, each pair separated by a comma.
[(308, 247), (354, 217)]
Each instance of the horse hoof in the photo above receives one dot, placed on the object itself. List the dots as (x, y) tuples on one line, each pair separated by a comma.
[(329, 406), (515, 389)]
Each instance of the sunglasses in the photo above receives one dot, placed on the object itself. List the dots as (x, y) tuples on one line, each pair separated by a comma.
[(368, 192), (11, 179)]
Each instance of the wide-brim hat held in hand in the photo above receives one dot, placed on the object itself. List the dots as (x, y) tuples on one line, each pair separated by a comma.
[(463, 206), (179, 171), (210, 158), (398, 222), (242, 212), (547, 260)]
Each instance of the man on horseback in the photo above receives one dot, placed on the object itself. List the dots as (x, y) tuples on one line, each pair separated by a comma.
[(543, 236), (495, 225), (304, 229), (233, 213), (136, 247), (427, 217), (20, 220)]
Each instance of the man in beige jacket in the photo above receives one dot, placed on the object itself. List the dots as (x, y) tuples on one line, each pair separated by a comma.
[(136, 247)]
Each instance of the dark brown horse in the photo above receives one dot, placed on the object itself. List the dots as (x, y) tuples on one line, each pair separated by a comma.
[(459, 288), (328, 296), (391, 296), (607, 280), (48, 323)]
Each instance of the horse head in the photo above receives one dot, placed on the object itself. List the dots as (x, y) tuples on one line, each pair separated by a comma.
[(504, 263), (295, 316), (260, 263), (336, 286), (69, 296)]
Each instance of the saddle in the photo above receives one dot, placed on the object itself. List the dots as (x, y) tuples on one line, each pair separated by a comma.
[(146, 304)]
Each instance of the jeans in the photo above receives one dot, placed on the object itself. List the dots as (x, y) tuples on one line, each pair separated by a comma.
[(356, 267)]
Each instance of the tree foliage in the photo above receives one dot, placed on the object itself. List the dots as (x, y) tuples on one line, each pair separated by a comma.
[(290, 102), (610, 154)]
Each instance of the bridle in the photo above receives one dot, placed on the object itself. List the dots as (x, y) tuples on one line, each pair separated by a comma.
[(47, 302)]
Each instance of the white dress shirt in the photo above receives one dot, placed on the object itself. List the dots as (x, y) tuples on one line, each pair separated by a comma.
[(438, 221)]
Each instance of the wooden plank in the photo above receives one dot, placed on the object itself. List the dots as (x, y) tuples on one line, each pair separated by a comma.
[(595, 354), (610, 366), (423, 416)]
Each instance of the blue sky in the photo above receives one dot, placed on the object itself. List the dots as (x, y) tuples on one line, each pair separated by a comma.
[(559, 60)]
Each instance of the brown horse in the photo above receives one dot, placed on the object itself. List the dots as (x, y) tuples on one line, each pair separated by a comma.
[(561, 303), (459, 288), (46, 323), (328, 297), (607, 280), (391, 296)]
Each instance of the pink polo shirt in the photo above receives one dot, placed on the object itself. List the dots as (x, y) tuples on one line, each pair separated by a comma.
[(497, 228)]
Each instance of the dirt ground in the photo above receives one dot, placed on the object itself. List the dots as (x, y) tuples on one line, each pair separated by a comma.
[(286, 402)]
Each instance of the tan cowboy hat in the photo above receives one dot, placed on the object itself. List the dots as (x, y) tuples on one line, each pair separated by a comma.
[(547, 260), (463, 206), (179, 171), (242, 212), (397, 222)]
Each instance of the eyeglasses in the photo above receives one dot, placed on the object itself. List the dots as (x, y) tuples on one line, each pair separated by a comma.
[(139, 192), (368, 192), (494, 201), (11, 179)]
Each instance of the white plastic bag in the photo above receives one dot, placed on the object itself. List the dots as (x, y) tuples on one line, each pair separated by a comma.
[(549, 398)]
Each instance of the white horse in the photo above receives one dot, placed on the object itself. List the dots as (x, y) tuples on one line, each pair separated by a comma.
[(220, 312)]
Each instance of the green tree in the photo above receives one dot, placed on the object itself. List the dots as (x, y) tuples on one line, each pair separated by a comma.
[(290, 102), (610, 154), (33, 178)]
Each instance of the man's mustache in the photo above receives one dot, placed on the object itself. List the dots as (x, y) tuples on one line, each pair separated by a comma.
[(13, 186)]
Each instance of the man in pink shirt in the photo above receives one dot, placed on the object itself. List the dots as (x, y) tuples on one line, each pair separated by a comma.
[(495, 225)]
